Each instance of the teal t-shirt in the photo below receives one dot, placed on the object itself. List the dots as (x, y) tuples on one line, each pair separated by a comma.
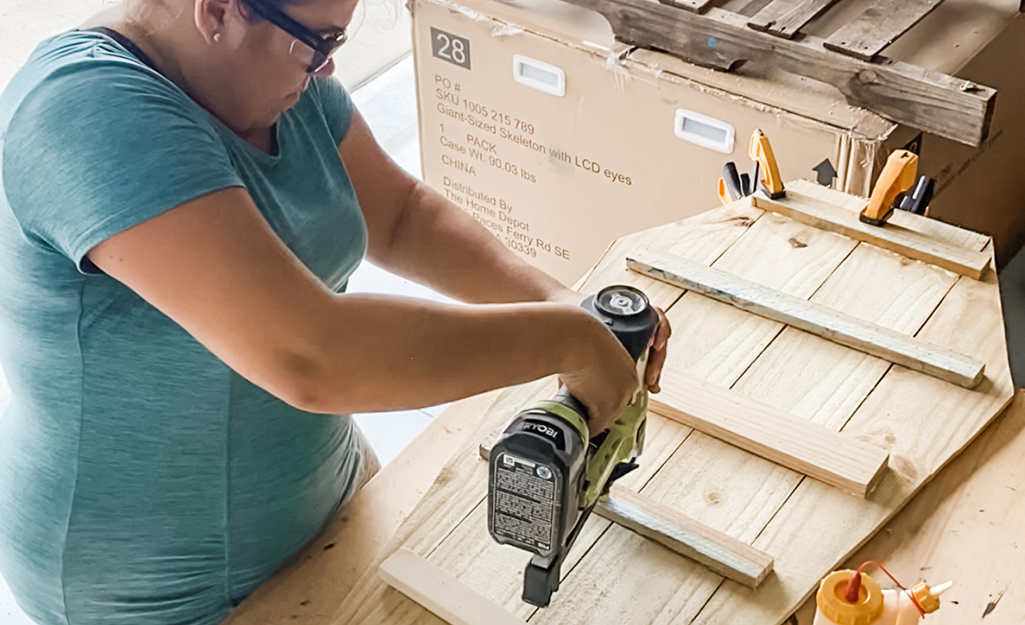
[(141, 480)]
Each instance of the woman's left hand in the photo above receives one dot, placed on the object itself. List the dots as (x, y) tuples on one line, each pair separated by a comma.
[(657, 351)]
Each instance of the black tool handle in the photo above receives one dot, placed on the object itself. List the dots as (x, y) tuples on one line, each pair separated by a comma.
[(754, 181), (733, 181), (918, 201)]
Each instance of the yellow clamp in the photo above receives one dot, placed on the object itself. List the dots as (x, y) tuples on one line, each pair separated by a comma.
[(760, 150), (897, 177)]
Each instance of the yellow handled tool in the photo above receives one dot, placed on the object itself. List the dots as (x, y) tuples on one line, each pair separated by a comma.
[(898, 176), (760, 151), (724, 195)]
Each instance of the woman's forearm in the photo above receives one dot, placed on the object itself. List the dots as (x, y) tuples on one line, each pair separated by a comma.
[(372, 353)]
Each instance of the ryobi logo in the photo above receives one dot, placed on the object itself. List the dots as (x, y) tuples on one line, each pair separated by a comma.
[(541, 428)]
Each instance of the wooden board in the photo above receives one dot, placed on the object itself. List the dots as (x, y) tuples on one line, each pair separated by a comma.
[(832, 457), (719, 552), (434, 589), (879, 26), (616, 576), (784, 18), (933, 228), (893, 237), (828, 323), (936, 103)]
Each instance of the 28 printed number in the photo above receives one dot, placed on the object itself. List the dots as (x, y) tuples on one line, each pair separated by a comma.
[(451, 48)]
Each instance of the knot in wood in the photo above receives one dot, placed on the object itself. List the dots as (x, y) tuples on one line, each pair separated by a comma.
[(867, 76)]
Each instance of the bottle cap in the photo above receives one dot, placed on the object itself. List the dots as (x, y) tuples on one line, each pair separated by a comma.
[(925, 597), (833, 605)]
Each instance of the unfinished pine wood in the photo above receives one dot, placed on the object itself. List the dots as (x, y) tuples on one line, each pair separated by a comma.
[(831, 457), (933, 228), (737, 491), (892, 237), (811, 317), (919, 449), (879, 26), (975, 500), (619, 577), (719, 552), (700, 478), (937, 103), (447, 597), (786, 19)]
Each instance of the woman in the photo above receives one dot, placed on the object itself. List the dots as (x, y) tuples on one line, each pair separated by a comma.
[(186, 192)]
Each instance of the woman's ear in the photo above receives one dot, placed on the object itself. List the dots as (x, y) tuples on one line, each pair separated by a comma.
[(217, 19)]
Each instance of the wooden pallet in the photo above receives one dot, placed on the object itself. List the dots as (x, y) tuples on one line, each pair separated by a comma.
[(616, 576), (850, 58)]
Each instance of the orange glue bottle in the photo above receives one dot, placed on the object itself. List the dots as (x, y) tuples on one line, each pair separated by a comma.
[(854, 598)]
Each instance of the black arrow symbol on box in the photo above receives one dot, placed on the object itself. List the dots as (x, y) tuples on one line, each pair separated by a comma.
[(825, 172)]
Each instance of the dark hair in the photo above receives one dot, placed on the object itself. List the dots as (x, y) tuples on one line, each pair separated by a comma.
[(252, 16)]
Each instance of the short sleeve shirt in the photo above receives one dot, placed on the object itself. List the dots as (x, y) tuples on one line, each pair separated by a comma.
[(141, 479)]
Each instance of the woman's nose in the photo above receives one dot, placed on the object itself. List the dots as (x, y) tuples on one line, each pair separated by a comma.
[(327, 70)]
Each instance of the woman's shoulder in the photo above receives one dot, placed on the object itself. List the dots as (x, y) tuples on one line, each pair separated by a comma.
[(329, 101), (86, 71)]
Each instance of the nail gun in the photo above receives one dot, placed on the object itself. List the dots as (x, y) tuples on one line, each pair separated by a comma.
[(546, 472)]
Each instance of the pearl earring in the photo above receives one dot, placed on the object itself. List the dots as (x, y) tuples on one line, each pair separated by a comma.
[(217, 36)]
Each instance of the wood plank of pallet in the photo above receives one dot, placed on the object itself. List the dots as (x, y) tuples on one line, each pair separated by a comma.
[(717, 483), (879, 26), (932, 228), (679, 533), (772, 11), (738, 493), (697, 6), (834, 458), (717, 550), (968, 320), (893, 237), (786, 19), (445, 596), (936, 103), (816, 319)]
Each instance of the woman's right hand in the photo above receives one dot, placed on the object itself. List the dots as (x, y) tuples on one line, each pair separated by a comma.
[(599, 372)]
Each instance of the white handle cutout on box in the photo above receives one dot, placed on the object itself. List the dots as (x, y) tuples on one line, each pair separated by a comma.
[(705, 131), (539, 75)]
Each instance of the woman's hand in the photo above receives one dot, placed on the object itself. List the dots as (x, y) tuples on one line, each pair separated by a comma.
[(657, 352), (659, 344), (597, 370)]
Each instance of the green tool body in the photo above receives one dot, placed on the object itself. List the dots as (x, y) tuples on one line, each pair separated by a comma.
[(545, 471)]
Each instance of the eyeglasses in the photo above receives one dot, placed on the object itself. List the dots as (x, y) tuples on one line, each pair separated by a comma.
[(323, 47)]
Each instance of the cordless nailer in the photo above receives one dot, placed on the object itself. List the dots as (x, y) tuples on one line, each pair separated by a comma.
[(545, 471)]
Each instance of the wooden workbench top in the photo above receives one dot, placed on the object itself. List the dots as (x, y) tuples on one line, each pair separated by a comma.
[(615, 576)]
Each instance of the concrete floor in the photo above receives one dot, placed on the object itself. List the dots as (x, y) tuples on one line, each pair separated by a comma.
[(376, 67)]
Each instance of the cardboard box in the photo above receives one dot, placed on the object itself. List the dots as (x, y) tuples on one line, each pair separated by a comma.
[(560, 139)]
